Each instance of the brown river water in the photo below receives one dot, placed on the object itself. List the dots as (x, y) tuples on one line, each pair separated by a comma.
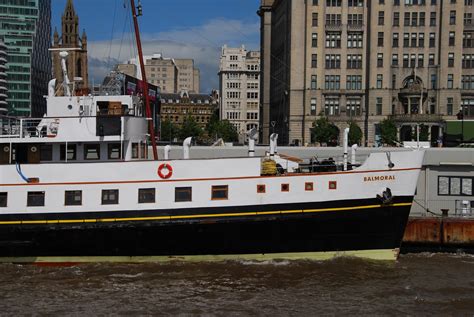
[(422, 284)]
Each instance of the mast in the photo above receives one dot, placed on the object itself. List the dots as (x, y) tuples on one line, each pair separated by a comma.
[(144, 80)]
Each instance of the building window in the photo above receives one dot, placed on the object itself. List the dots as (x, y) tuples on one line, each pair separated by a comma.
[(92, 151), (354, 20), (220, 192), (333, 3), (455, 186), (333, 39), (354, 39), (380, 39), (354, 61), (309, 186), (355, 3), (421, 39), (406, 19), (379, 60), (285, 188), (71, 152), (467, 40), (431, 59), (381, 19), (313, 82), (405, 61), (450, 59), (313, 106), (414, 18), (406, 39), (379, 81), (412, 60), (378, 106), (314, 40), (331, 106), (396, 2), (354, 82), (421, 59), (413, 40), (333, 19), (332, 185), (452, 38), (146, 195), (394, 85), (432, 18), (73, 197), (35, 199), (333, 61), (261, 189), (467, 18), (450, 81), (315, 2), (467, 61), (110, 196), (332, 82), (3, 199), (353, 107), (432, 39), (114, 151), (434, 81), (182, 194), (315, 19), (394, 59), (452, 17), (314, 60), (396, 18), (395, 40), (422, 19)]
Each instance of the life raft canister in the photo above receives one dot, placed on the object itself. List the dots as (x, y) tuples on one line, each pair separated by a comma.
[(168, 170)]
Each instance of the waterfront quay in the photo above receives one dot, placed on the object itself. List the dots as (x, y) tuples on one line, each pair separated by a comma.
[(442, 214)]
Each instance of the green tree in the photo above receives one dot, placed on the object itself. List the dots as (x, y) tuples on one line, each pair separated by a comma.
[(388, 132), (168, 130), (324, 131), (221, 129), (190, 128), (355, 133)]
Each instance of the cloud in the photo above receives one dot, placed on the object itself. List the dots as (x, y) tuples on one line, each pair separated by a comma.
[(202, 43)]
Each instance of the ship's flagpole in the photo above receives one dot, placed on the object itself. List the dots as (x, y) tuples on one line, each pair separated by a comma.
[(144, 81)]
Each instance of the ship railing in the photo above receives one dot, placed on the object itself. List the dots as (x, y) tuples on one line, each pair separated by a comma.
[(11, 127), (451, 206), (330, 164)]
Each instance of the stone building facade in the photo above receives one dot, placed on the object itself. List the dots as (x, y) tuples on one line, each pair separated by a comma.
[(239, 82), (75, 45), (353, 60), (171, 75), (176, 107)]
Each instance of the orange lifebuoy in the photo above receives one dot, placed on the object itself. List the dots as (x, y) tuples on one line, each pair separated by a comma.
[(168, 168)]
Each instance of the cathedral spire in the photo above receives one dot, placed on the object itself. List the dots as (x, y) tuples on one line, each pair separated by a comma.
[(70, 24)]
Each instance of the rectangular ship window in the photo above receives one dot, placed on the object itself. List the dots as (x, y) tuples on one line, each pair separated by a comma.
[(114, 152), (285, 187), (332, 185), (183, 194), (110, 196), (146, 195), (3, 199), (220, 192), (46, 152), (71, 152), (92, 151), (73, 197), (261, 189), (309, 186), (35, 199)]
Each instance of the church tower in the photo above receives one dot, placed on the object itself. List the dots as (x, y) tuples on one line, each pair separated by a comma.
[(76, 47)]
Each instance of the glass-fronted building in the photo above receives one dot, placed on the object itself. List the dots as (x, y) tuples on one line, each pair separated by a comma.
[(25, 28)]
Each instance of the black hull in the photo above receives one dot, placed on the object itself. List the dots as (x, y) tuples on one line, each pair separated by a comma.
[(296, 228)]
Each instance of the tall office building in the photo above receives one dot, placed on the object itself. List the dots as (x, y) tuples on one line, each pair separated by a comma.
[(25, 28), (171, 75), (239, 84), (364, 61), (3, 78)]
